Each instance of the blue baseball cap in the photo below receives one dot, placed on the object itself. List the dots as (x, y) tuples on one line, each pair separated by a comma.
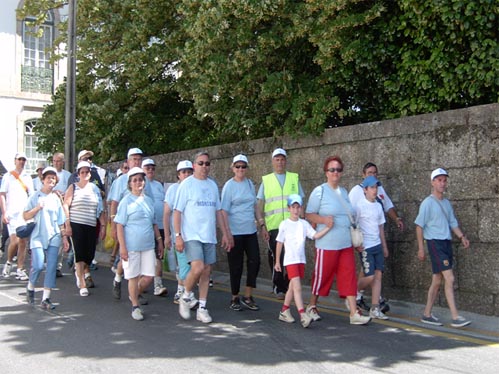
[(370, 181), (295, 198)]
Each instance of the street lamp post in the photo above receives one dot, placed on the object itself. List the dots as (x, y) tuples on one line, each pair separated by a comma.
[(70, 118)]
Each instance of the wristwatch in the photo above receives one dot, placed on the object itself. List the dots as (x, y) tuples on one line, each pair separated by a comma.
[(177, 234)]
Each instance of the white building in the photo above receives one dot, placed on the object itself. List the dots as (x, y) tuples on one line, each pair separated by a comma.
[(27, 81)]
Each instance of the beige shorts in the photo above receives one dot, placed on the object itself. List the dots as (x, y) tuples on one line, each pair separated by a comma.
[(140, 263)]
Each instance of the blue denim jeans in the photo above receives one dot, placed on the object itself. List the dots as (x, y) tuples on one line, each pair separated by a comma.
[(38, 256)]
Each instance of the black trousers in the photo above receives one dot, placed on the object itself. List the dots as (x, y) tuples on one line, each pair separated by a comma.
[(279, 279), (244, 244)]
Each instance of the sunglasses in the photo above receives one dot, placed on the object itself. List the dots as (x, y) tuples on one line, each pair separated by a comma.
[(86, 158), (332, 170), (203, 163), (240, 166), (186, 171)]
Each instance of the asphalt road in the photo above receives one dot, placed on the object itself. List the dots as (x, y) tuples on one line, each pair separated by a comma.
[(97, 335)]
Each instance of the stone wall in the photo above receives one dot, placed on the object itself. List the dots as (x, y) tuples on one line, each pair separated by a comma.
[(465, 142)]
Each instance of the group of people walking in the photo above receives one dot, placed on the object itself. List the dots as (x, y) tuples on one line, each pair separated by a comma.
[(146, 219)]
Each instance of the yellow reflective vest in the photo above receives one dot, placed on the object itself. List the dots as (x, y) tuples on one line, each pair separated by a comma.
[(276, 198)]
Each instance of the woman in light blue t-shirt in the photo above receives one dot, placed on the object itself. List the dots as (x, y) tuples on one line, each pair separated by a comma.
[(240, 210)]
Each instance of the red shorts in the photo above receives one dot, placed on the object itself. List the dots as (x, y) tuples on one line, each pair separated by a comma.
[(296, 270), (329, 264)]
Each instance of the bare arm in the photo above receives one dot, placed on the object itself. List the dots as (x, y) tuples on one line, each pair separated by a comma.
[(383, 240), (462, 237), (261, 221), (177, 224), (166, 224), (392, 213), (3, 206), (420, 239), (278, 250), (315, 218), (121, 239)]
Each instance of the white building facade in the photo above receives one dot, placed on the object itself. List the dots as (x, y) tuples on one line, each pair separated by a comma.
[(27, 82)]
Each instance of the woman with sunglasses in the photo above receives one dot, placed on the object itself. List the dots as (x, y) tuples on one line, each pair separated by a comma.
[(137, 233), (239, 206), (83, 206), (329, 204)]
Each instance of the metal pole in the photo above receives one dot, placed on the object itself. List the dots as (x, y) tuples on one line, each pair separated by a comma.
[(70, 120)]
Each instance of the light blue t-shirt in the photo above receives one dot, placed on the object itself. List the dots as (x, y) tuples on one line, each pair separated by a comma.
[(238, 200), (326, 202), (198, 200), (46, 232), (158, 195), (136, 214), (435, 223), (170, 196)]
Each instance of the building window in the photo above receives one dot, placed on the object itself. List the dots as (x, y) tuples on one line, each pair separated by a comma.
[(36, 71), (30, 147)]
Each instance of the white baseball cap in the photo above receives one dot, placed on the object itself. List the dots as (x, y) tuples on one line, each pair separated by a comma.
[(134, 171), (84, 153), (240, 158), (49, 169), (82, 164), (134, 151), (148, 161), (279, 151), (186, 164), (437, 172)]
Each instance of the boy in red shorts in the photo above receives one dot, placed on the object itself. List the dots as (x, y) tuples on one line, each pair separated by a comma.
[(293, 233)]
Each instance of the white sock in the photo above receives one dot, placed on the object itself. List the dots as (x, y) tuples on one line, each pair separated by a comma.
[(180, 289), (360, 294), (87, 275), (158, 281), (31, 287), (46, 294), (202, 303), (117, 278)]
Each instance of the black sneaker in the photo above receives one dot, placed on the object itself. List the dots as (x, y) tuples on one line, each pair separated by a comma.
[(58, 273), (235, 304), (363, 305), (47, 305), (89, 282), (30, 296), (117, 290), (249, 303), (383, 305)]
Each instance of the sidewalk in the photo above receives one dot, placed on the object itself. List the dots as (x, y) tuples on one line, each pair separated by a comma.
[(402, 312)]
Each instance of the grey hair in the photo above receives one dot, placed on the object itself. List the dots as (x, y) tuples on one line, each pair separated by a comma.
[(199, 154)]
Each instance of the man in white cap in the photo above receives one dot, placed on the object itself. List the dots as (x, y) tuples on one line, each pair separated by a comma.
[(16, 187), (434, 223), (272, 201)]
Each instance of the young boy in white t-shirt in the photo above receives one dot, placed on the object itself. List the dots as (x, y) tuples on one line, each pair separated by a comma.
[(293, 233), (371, 220)]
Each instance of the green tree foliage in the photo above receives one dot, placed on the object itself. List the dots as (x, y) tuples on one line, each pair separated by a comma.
[(166, 75)]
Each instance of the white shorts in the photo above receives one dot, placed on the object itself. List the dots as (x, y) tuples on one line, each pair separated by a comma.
[(140, 263), (15, 220)]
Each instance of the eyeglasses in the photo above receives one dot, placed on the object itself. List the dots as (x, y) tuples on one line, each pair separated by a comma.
[(186, 171), (332, 170), (240, 166), (84, 171), (137, 180), (203, 163)]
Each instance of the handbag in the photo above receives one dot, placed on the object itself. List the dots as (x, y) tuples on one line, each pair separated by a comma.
[(25, 231)]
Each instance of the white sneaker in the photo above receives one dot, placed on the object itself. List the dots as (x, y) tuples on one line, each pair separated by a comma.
[(83, 291), (203, 315), (6, 270), (137, 314), (312, 312), (176, 298), (377, 313), (160, 290), (286, 316), (305, 320), (185, 306), (21, 275), (359, 319)]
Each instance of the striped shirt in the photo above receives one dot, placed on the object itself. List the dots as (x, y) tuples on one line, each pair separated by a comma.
[(83, 209)]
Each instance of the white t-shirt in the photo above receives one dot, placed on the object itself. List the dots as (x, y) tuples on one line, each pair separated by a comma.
[(293, 235), (16, 196), (369, 216)]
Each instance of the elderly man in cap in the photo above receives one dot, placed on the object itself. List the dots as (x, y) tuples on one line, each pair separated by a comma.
[(272, 201), (16, 187)]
